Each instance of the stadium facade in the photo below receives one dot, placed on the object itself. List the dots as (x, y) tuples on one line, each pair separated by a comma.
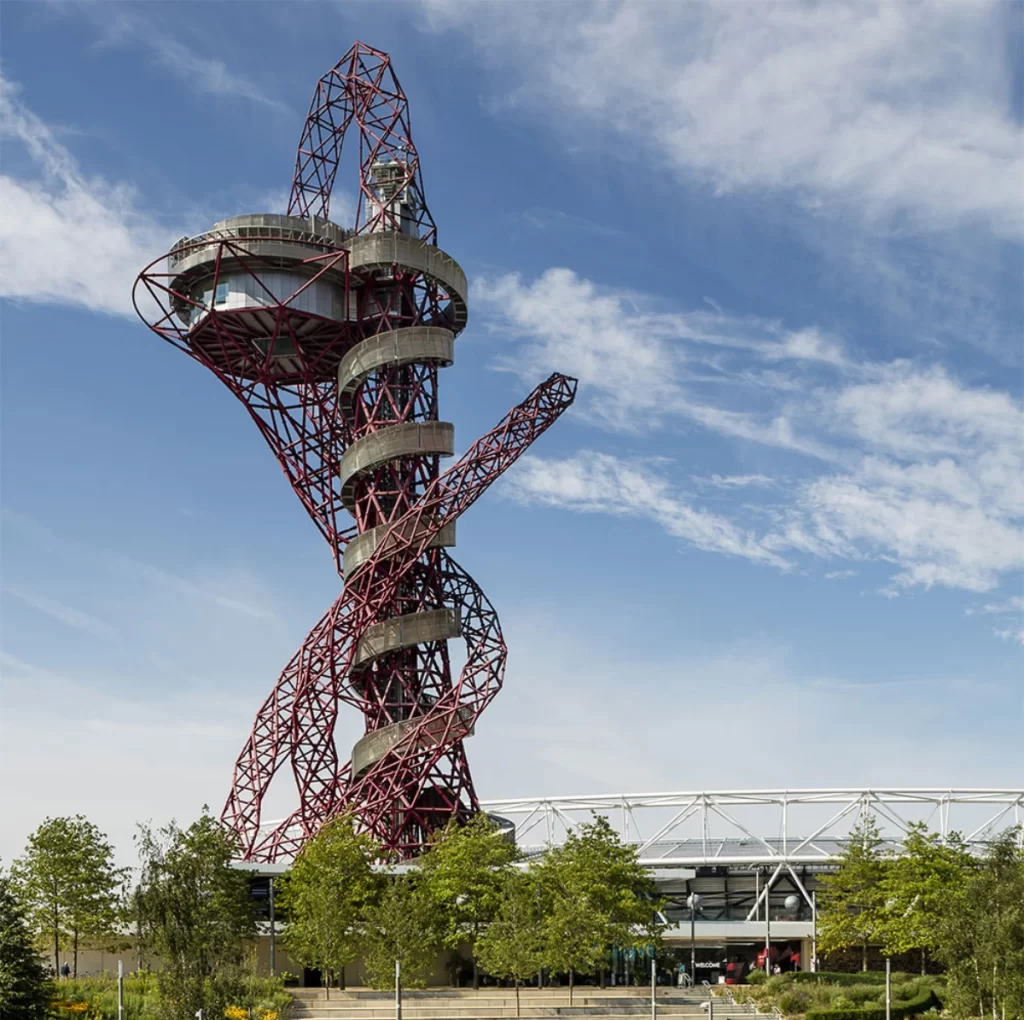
[(751, 860)]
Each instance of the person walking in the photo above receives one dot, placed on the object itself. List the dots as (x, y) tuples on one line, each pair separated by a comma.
[(65, 970)]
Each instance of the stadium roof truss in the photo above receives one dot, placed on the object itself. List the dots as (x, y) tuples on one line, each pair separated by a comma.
[(763, 828)]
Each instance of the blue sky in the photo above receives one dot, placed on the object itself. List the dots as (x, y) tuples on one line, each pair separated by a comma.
[(779, 541)]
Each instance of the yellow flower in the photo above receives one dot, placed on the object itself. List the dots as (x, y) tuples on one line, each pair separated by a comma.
[(236, 1013)]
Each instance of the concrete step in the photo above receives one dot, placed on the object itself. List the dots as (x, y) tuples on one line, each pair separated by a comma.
[(486, 1007), (440, 1014), (496, 1002), (333, 1010), (503, 996), (493, 991)]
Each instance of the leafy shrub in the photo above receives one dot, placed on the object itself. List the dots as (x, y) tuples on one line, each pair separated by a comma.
[(95, 998), (870, 977), (99, 994), (757, 977), (795, 1000), (899, 1010), (860, 995)]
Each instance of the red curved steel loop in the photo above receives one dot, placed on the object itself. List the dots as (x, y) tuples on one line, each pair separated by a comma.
[(361, 87), (333, 340)]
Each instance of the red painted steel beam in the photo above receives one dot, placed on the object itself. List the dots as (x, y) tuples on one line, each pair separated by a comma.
[(281, 362)]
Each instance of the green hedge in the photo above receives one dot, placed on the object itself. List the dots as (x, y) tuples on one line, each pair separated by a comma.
[(899, 1010), (870, 977)]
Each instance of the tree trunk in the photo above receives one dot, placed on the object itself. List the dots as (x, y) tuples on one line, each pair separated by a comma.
[(602, 977), (56, 934), (863, 958), (981, 994), (476, 974), (924, 961), (74, 965), (570, 986), (517, 998), (341, 978)]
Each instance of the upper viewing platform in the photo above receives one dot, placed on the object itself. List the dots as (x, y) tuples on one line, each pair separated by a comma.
[(259, 230)]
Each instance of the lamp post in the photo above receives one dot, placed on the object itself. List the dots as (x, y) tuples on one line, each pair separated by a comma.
[(814, 931), (693, 902), (768, 926), (273, 933)]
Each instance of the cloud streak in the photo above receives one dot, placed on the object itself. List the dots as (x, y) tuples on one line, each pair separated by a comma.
[(892, 462), (67, 615), (66, 239), (880, 111)]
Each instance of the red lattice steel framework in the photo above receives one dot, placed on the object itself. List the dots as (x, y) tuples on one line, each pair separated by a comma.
[(332, 339)]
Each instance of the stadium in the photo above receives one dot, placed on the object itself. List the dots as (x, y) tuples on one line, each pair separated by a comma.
[(751, 860)]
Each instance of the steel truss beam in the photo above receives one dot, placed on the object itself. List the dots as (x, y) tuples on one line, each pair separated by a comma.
[(307, 294), (757, 828)]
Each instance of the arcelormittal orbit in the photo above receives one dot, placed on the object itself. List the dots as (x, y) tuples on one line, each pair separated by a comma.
[(333, 339)]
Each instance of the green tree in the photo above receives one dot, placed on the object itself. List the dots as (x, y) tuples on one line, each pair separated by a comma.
[(512, 946), (981, 936), (326, 894), (851, 898), (402, 926), (70, 886), (915, 887), (464, 873), (595, 895), (24, 990), (195, 910)]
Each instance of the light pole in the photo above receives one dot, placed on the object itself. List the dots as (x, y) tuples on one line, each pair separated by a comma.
[(693, 902), (273, 934), (888, 989), (768, 926), (814, 931)]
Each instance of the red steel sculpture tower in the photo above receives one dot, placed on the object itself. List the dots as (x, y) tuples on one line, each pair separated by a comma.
[(332, 339)]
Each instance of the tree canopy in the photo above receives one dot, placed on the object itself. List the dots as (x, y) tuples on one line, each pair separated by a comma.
[(595, 894), (464, 874), (24, 992), (70, 886), (194, 909), (851, 898), (979, 935), (327, 894), (915, 887), (512, 947), (402, 926)]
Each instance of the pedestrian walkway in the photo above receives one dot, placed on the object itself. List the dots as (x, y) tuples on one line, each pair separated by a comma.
[(499, 1003)]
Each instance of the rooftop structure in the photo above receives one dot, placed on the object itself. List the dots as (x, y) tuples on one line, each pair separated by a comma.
[(333, 339)]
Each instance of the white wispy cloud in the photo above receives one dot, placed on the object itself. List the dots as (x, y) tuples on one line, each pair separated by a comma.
[(895, 462), (65, 238), (65, 614), (592, 482), (1011, 610), (879, 110), (737, 481), (176, 47)]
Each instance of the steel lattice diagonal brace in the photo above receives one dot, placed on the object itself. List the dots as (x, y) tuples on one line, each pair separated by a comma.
[(324, 675), (376, 795), (372, 587)]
